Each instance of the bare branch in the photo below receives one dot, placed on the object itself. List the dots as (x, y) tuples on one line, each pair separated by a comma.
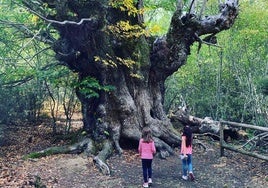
[(28, 78), (191, 7), (202, 9), (179, 5), (60, 22)]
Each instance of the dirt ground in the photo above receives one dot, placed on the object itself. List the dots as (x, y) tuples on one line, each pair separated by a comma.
[(78, 171)]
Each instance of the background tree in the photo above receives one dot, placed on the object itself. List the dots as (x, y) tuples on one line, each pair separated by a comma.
[(29, 73), (21, 91), (222, 81)]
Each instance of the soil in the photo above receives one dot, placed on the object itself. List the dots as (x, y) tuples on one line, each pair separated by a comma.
[(79, 171)]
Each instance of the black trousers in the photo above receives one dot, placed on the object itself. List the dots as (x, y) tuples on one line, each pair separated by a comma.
[(147, 169)]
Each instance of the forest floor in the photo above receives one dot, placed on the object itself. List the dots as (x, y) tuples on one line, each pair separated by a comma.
[(78, 171)]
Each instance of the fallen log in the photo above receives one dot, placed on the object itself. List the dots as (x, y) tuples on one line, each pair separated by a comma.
[(206, 126)]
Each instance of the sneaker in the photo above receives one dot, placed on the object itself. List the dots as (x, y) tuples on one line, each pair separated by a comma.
[(145, 185), (185, 177), (150, 182), (191, 176)]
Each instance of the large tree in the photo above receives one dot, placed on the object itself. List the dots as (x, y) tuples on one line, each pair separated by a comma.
[(107, 44)]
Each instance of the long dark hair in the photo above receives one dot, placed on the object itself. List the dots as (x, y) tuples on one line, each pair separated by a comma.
[(187, 131), (147, 135)]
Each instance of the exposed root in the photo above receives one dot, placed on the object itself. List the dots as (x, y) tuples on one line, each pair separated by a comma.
[(84, 145), (116, 138), (104, 168), (100, 159), (164, 149)]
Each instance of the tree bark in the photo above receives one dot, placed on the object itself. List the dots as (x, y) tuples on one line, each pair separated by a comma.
[(106, 41)]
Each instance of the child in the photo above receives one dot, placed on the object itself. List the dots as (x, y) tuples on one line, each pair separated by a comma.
[(186, 153), (146, 151)]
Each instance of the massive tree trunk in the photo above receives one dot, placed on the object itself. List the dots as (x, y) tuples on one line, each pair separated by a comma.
[(106, 40)]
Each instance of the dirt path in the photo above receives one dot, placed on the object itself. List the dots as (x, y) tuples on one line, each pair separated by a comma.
[(78, 171), (210, 170), (69, 171)]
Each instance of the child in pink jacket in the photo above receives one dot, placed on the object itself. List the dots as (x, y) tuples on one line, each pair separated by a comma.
[(147, 151), (186, 153)]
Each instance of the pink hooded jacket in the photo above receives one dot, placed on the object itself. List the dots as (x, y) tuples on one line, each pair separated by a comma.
[(146, 150)]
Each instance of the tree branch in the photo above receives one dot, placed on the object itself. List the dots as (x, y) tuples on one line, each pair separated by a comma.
[(28, 78), (61, 22), (170, 52), (28, 33)]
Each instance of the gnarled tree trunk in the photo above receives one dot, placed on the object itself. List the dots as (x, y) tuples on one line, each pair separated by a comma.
[(106, 40)]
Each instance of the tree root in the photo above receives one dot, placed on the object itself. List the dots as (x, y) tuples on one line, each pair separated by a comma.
[(84, 145), (164, 149), (100, 159)]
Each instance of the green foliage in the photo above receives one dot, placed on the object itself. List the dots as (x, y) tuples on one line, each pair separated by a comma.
[(263, 84), (27, 66), (223, 82), (90, 87), (158, 14), (18, 104)]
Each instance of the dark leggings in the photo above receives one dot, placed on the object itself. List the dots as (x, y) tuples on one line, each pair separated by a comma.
[(147, 169)]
